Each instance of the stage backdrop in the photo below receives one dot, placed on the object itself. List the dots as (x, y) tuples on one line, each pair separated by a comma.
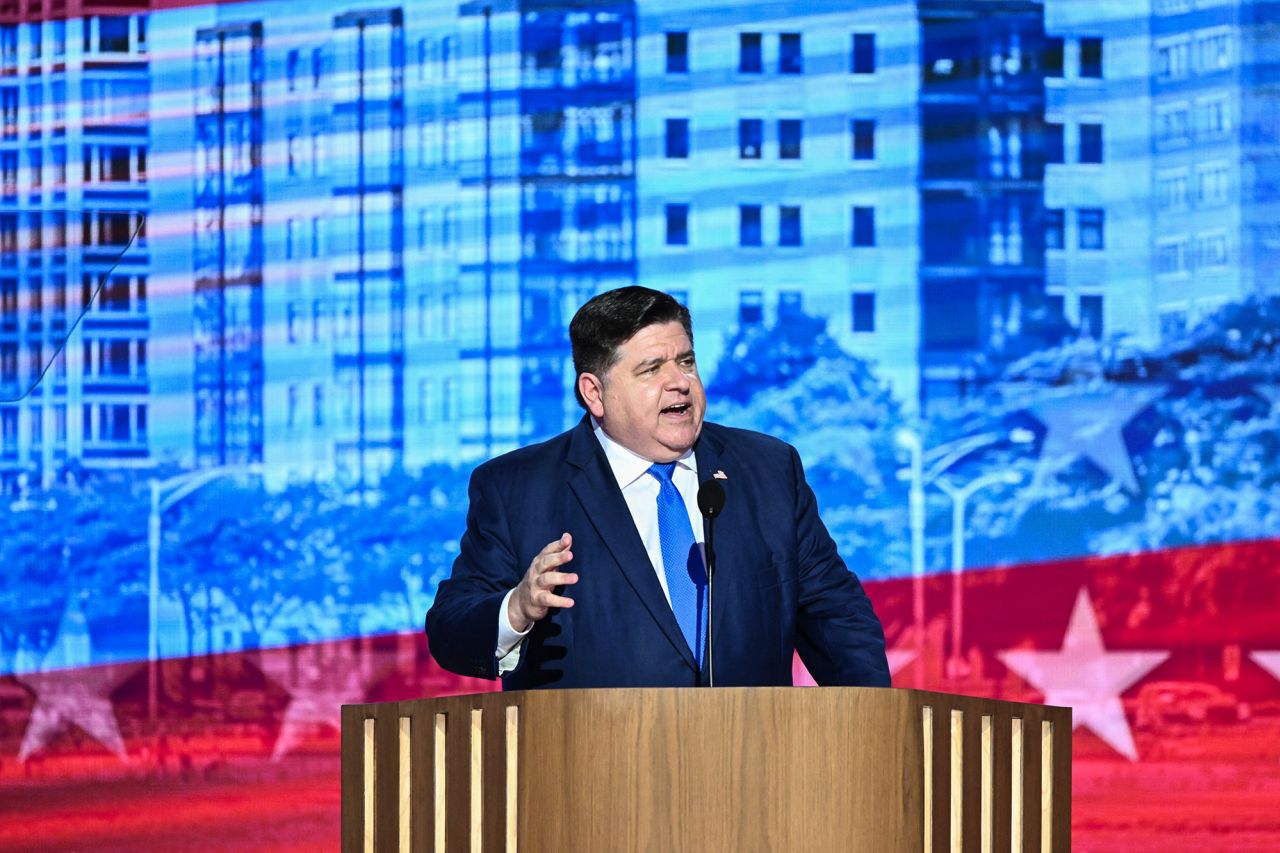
[(275, 276)]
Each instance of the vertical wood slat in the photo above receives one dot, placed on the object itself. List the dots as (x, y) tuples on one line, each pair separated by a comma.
[(957, 768), (352, 749), (1046, 786), (1001, 778), (926, 726), (942, 777), (368, 786), (457, 770), (405, 779), (386, 798), (1062, 785), (971, 777), (512, 792), (1031, 778), (1017, 791), (421, 776), (476, 790), (439, 791), (986, 777)]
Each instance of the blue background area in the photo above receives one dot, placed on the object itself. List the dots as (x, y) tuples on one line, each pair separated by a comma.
[(298, 272)]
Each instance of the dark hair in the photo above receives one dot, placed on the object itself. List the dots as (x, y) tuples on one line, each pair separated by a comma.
[(609, 320)]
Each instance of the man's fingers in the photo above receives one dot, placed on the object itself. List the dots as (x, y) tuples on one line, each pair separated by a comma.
[(551, 580), (561, 544), (547, 562), (550, 599)]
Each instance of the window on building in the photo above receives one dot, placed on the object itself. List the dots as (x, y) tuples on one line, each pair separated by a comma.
[(677, 53), (1211, 250), (1171, 191), (317, 405), (750, 53), (1212, 184), (790, 54), (1053, 64), (750, 308), (1090, 143), (1173, 125), (1173, 59), (863, 136), (750, 138), (1213, 51), (790, 304), (1171, 256), (113, 33), (1090, 225), (114, 356), (789, 135), (1091, 57), (862, 54), (864, 226), (1054, 228), (789, 233), (677, 144), (677, 225), (1054, 146), (291, 410), (114, 422), (1214, 116), (750, 227), (1091, 315), (864, 311)]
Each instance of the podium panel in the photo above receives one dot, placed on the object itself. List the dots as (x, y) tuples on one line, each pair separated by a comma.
[(725, 769)]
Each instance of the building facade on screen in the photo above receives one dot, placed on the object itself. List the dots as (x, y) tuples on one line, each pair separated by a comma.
[(361, 229), (73, 195)]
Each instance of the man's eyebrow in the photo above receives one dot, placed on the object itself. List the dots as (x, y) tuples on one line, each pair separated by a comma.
[(649, 362)]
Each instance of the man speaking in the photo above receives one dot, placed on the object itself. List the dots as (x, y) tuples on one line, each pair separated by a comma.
[(583, 561)]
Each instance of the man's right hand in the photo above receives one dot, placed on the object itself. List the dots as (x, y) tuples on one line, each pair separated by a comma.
[(535, 596)]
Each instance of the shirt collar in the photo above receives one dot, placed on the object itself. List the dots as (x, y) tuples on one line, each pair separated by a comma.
[(629, 466)]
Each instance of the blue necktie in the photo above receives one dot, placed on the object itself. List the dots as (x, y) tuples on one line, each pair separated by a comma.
[(681, 561)]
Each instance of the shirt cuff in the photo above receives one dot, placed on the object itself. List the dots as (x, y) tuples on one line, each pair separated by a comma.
[(508, 638)]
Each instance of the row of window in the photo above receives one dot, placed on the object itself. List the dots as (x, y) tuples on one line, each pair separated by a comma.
[(101, 34), (1183, 254), (789, 54), (789, 137), (1090, 228), (1177, 123), (751, 304), (1174, 190), (1206, 51), (123, 423)]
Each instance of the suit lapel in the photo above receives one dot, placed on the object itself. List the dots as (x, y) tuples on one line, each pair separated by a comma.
[(596, 489)]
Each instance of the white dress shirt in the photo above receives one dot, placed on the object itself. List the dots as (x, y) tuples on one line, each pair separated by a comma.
[(640, 490)]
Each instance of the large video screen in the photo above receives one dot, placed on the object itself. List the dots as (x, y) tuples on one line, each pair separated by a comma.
[(273, 280)]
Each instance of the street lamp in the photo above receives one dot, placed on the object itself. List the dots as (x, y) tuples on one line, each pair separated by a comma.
[(164, 494), (939, 459), (959, 498)]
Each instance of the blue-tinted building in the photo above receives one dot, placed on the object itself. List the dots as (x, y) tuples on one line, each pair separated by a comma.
[(74, 210)]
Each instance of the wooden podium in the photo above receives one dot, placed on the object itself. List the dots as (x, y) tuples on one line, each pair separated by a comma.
[(725, 769)]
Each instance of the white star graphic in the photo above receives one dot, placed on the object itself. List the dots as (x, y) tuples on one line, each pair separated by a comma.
[(1091, 426), (79, 696), (1086, 677), (320, 680), (1270, 661)]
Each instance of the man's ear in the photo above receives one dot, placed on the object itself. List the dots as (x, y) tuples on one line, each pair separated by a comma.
[(592, 390)]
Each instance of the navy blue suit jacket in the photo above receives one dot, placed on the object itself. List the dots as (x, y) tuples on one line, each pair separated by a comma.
[(780, 586)]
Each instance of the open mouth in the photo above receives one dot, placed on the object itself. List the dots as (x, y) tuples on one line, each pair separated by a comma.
[(677, 409)]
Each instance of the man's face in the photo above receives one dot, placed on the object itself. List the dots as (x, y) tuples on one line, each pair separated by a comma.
[(651, 401)]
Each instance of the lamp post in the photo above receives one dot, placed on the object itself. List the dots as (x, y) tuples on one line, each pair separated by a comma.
[(959, 498), (938, 459), (164, 494)]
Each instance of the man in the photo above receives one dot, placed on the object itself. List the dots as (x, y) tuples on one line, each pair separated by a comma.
[(582, 562)]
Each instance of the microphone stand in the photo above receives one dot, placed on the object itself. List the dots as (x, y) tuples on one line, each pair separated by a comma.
[(711, 569)]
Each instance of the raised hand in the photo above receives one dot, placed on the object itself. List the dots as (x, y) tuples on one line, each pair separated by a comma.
[(535, 595)]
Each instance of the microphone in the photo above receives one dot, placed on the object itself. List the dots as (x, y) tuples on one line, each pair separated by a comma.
[(710, 503)]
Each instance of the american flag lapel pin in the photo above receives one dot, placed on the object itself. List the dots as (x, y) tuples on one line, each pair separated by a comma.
[(720, 475)]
